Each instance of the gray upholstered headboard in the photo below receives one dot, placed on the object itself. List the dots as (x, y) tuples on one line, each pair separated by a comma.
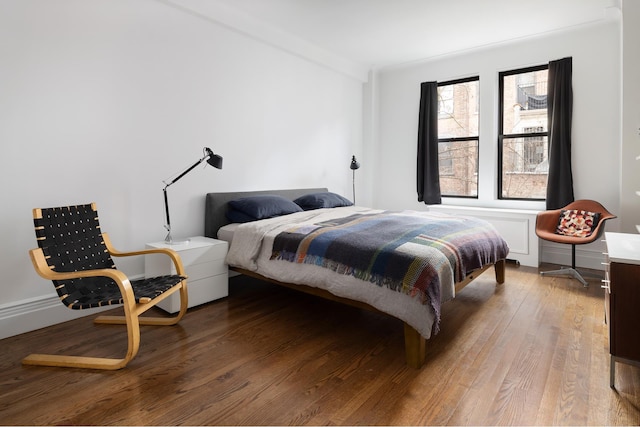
[(216, 205)]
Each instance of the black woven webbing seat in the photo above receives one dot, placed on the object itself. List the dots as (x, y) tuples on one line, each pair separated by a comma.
[(98, 292), (75, 254)]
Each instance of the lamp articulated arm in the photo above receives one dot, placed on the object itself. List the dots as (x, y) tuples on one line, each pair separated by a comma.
[(211, 158)]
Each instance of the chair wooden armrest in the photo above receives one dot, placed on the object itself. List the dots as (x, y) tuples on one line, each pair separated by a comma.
[(40, 264), (175, 257)]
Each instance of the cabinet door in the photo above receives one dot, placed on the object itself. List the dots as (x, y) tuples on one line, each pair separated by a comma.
[(624, 311)]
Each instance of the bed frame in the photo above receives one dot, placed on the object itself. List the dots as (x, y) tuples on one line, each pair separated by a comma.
[(415, 344)]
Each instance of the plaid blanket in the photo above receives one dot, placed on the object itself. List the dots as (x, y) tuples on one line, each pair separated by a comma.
[(410, 252)]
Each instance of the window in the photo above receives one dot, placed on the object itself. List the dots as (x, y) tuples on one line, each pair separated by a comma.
[(458, 137), (445, 101), (523, 134)]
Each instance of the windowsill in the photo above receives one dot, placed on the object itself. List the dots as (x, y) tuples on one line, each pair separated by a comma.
[(515, 205)]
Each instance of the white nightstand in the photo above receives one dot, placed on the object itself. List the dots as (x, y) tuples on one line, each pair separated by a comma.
[(203, 260)]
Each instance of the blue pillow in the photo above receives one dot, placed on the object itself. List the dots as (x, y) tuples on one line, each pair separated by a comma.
[(267, 206), (238, 217), (322, 200)]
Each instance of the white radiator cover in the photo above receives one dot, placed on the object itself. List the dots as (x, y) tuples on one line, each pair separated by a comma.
[(516, 226)]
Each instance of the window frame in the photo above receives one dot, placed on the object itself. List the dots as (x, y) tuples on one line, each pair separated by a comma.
[(475, 138), (502, 136)]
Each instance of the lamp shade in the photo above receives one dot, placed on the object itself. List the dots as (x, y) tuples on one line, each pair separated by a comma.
[(354, 163), (214, 159)]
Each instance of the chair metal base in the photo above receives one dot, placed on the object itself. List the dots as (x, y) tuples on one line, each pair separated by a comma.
[(566, 271)]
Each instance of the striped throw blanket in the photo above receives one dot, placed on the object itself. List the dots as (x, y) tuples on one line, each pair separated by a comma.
[(410, 252)]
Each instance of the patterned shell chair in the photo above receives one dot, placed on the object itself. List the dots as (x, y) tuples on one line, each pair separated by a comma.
[(76, 255), (578, 223)]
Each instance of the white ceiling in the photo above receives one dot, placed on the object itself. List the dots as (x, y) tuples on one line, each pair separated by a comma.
[(379, 33)]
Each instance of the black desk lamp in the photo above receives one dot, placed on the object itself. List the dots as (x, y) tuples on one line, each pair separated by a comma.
[(214, 160), (354, 165)]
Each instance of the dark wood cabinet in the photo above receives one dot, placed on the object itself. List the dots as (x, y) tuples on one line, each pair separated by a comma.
[(622, 298)]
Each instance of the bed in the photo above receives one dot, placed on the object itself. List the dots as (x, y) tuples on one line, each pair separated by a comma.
[(433, 255)]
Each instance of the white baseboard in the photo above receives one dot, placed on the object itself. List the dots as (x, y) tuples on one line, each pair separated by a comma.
[(35, 313)]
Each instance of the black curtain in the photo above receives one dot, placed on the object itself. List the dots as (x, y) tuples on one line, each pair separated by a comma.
[(428, 172), (559, 110)]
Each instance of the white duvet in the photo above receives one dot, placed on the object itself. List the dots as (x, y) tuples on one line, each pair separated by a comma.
[(251, 249)]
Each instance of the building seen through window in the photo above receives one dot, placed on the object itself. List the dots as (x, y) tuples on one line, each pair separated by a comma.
[(458, 120), (523, 134)]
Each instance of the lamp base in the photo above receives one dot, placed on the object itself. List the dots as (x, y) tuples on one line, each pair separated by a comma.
[(177, 241), (169, 240)]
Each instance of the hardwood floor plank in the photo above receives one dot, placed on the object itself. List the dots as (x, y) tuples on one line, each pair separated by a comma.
[(532, 351), (498, 353)]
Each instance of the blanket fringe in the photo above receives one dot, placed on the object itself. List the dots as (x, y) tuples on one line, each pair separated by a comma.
[(366, 276)]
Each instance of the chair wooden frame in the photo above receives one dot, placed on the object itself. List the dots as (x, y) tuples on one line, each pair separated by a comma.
[(547, 221), (132, 309)]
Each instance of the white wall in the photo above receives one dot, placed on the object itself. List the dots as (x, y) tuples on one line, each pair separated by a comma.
[(595, 50), (630, 182), (102, 100)]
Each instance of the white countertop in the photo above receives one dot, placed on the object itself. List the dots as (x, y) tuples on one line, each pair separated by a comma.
[(623, 247)]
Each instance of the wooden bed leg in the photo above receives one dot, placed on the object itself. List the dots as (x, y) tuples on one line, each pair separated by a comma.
[(414, 347), (500, 273)]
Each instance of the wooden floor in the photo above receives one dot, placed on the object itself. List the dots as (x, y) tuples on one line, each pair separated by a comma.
[(530, 352)]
